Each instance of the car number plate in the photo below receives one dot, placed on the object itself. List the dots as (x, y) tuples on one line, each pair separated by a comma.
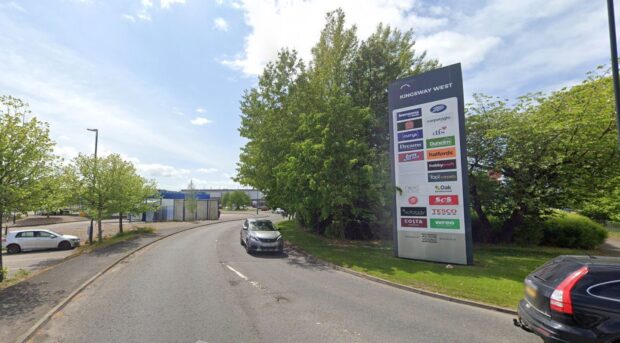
[(530, 291)]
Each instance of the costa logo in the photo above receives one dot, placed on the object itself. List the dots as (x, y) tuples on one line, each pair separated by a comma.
[(411, 156), (443, 199), (410, 135), (442, 176), (438, 108), (441, 165), (444, 211), (412, 200), (409, 125), (409, 114), (413, 211), (438, 154), (413, 222), (408, 146)]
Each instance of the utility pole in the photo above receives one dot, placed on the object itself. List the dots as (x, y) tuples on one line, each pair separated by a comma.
[(614, 59), (257, 202), (90, 232)]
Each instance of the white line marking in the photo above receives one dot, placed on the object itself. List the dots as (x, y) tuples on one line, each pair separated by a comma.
[(236, 272)]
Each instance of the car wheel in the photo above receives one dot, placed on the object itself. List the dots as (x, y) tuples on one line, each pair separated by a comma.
[(13, 249), (247, 248), (64, 245), (241, 241)]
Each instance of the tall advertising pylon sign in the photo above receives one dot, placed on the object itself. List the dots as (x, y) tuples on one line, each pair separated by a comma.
[(429, 167)]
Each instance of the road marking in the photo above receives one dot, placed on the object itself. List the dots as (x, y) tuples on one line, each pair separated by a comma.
[(236, 272)]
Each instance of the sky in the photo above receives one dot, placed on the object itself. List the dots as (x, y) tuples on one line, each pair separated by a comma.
[(162, 79)]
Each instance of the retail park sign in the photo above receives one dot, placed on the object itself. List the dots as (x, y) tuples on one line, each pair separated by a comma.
[(429, 164)]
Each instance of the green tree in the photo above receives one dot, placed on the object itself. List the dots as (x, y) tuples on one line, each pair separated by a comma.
[(55, 191), (551, 152), (25, 158), (225, 200), (191, 201), (238, 200)]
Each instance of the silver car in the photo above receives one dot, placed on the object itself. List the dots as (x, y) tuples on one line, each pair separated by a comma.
[(261, 235), (17, 241)]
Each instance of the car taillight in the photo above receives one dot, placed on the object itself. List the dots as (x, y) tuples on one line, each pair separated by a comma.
[(560, 298)]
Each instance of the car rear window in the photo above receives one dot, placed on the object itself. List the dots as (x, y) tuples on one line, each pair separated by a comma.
[(554, 272)]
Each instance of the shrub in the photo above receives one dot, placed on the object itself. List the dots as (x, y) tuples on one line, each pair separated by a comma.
[(571, 230)]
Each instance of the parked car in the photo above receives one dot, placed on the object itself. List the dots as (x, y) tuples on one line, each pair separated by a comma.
[(573, 299), (261, 235), (17, 241)]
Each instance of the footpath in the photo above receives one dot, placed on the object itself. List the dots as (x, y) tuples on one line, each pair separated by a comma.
[(24, 304)]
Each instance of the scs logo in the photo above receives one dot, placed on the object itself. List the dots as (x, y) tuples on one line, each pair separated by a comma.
[(412, 200), (443, 200), (444, 211), (438, 108)]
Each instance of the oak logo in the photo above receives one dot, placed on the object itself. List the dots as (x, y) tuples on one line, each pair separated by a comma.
[(441, 165), (410, 135), (440, 153), (442, 176), (413, 222), (443, 189), (443, 200), (408, 146), (444, 211), (409, 125), (411, 156), (413, 211), (409, 114)]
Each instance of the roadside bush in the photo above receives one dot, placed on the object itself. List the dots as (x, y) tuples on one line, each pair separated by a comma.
[(571, 230)]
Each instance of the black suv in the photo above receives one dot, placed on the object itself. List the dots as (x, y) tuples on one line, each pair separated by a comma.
[(573, 299)]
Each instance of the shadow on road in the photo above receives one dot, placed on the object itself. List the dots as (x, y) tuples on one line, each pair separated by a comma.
[(25, 297)]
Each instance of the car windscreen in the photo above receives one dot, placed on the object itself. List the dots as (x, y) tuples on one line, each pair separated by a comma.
[(262, 226)]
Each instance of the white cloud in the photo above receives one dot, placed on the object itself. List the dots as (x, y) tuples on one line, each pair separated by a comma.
[(207, 170), (144, 16), (129, 17), (452, 47), (12, 5), (200, 110), (169, 3), (199, 121), (220, 24)]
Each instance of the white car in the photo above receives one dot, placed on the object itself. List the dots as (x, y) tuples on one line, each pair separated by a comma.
[(17, 241)]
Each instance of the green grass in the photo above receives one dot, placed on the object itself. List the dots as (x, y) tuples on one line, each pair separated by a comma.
[(495, 278), (119, 237), (21, 275)]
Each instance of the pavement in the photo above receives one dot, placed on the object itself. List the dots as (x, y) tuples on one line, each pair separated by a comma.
[(23, 304), (201, 286), (612, 247)]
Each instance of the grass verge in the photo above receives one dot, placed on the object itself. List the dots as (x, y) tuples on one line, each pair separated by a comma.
[(119, 237), (496, 277), (19, 276)]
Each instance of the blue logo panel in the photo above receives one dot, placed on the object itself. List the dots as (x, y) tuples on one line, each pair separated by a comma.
[(409, 135)]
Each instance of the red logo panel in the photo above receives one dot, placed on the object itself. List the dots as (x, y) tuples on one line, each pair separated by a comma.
[(443, 200), (413, 222)]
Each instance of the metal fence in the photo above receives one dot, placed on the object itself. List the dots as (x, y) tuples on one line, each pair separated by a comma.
[(612, 226)]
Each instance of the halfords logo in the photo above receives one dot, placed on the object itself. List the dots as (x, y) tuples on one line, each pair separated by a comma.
[(409, 125), (413, 211), (442, 176), (413, 222), (409, 114), (440, 142), (443, 199), (443, 189), (438, 119), (438, 108), (411, 156), (444, 211), (440, 131), (410, 135), (417, 145), (440, 153), (442, 165)]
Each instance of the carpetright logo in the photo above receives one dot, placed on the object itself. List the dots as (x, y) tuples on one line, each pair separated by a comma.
[(440, 142), (409, 114), (438, 119), (408, 146), (411, 156), (410, 135)]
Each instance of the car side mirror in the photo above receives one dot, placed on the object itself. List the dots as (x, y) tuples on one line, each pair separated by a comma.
[(52, 236), (245, 227)]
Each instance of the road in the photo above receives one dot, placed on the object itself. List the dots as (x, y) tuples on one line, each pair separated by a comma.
[(201, 286)]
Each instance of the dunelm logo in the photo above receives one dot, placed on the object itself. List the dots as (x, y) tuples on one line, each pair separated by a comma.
[(440, 142), (438, 108), (416, 145)]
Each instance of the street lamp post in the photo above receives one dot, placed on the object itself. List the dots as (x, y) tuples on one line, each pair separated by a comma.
[(614, 59), (257, 202), (90, 232)]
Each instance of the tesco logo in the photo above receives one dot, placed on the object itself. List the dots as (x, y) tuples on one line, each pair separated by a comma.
[(443, 200), (438, 108), (413, 200)]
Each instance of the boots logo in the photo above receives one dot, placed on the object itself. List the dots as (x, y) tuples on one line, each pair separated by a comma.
[(443, 200), (438, 108)]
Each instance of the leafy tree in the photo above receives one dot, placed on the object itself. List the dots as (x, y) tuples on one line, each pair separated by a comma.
[(25, 157), (237, 200), (225, 200), (551, 152), (55, 190), (191, 201)]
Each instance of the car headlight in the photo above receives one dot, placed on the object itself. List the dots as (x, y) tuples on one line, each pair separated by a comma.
[(254, 238), (279, 238)]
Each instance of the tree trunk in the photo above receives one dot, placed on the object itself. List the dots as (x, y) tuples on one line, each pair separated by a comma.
[(99, 231), (1, 265), (509, 226), (120, 222), (485, 225)]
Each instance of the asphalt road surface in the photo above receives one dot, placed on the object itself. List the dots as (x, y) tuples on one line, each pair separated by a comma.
[(201, 286)]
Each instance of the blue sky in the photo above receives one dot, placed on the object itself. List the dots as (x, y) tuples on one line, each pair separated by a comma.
[(162, 79)]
